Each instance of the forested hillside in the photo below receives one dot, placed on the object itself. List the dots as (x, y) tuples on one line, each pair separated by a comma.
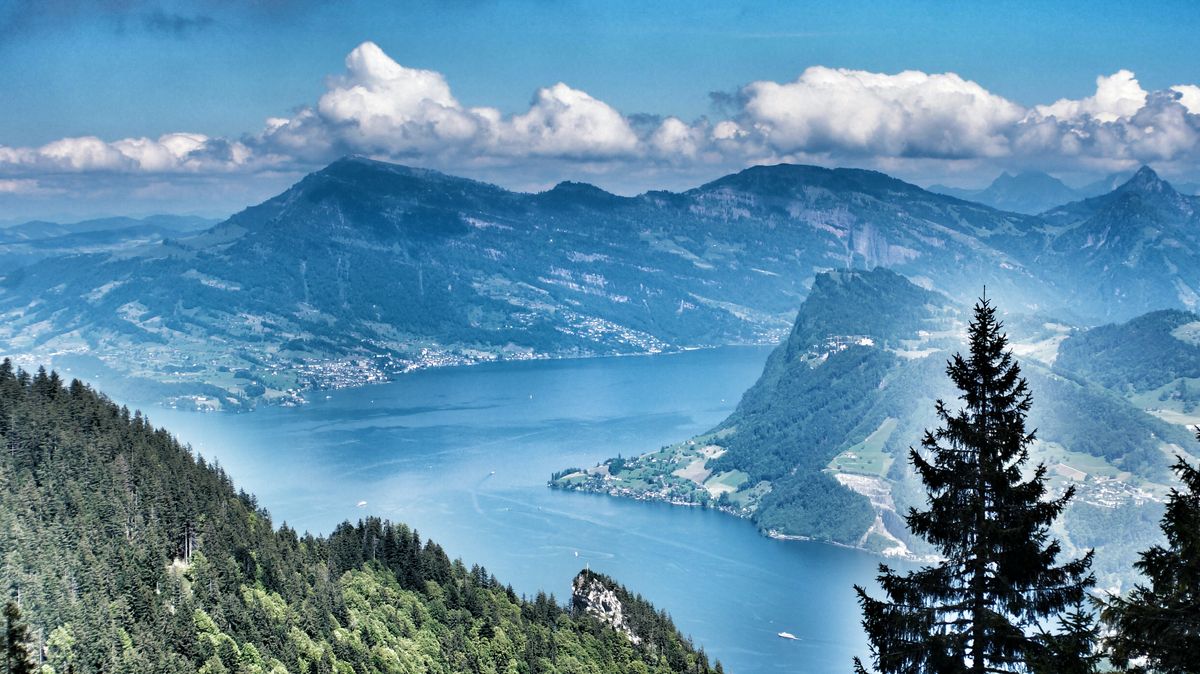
[(816, 448), (1142, 354), (126, 553)]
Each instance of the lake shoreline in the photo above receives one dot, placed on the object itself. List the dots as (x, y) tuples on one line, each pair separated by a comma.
[(422, 450), (301, 395)]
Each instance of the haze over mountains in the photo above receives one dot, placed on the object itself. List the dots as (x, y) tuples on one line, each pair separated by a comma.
[(365, 269), (27, 242), (1033, 192)]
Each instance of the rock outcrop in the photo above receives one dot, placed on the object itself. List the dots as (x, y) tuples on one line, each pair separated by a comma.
[(600, 597)]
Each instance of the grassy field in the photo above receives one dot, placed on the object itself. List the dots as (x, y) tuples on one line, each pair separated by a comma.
[(729, 481), (1053, 453), (1164, 403), (867, 457)]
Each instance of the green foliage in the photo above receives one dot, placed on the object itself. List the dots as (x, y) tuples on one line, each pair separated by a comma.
[(1072, 648), (786, 433), (16, 642), (1139, 355), (1129, 438), (818, 388), (130, 554), (1159, 624), (1118, 533), (653, 626), (1000, 575)]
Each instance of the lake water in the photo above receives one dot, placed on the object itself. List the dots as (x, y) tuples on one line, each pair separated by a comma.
[(463, 454)]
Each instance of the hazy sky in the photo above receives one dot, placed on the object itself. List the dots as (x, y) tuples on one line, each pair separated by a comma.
[(131, 106)]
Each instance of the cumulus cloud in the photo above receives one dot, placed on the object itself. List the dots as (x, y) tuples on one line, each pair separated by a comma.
[(1117, 96), (381, 107), (857, 112), (909, 123), (567, 122), (169, 153), (1189, 97)]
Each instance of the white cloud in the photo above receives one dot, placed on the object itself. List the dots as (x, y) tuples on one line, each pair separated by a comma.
[(1120, 126), (910, 123), (677, 140), (567, 122), (379, 105), (727, 130), (857, 112), (1118, 96), (1189, 96), (173, 152)]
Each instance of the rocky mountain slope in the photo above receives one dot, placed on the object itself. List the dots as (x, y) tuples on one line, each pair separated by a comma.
[(366, 269), (1134, 249)]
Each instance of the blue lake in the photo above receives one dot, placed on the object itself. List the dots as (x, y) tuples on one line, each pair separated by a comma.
[(463, 455)]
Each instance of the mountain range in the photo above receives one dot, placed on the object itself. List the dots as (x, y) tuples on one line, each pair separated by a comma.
[(36, 230), (366, 269), (1034, 192)]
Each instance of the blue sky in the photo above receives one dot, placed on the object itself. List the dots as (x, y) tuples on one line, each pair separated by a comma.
[(140, 69)]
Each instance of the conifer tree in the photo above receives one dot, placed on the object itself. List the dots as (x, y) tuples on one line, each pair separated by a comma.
[(1072, 649), (1160, 622), (980, 608), (16, 639)]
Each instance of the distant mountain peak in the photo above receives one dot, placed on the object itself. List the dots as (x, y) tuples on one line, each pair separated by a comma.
[(1028, 192), (573, 187), (574, 194), (1026, 178), (786, 179), (1147, 181)]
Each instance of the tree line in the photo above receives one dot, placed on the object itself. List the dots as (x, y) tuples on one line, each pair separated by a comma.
[(122, 551)]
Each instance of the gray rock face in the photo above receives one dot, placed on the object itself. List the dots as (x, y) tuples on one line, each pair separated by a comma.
[(591, 595)]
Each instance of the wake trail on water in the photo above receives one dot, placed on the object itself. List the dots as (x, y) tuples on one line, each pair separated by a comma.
[(704, 552), (448, 451)]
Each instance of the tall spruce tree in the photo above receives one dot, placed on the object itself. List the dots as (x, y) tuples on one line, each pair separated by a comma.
[(1160, 623), (16, 640), (983, 607)]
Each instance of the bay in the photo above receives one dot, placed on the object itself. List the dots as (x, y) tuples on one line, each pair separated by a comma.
[(464, 454)]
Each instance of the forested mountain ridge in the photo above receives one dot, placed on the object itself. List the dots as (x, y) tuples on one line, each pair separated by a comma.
[(127, 553), (365, 269), (1139, 355), (1153, 361), (816, 447)]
